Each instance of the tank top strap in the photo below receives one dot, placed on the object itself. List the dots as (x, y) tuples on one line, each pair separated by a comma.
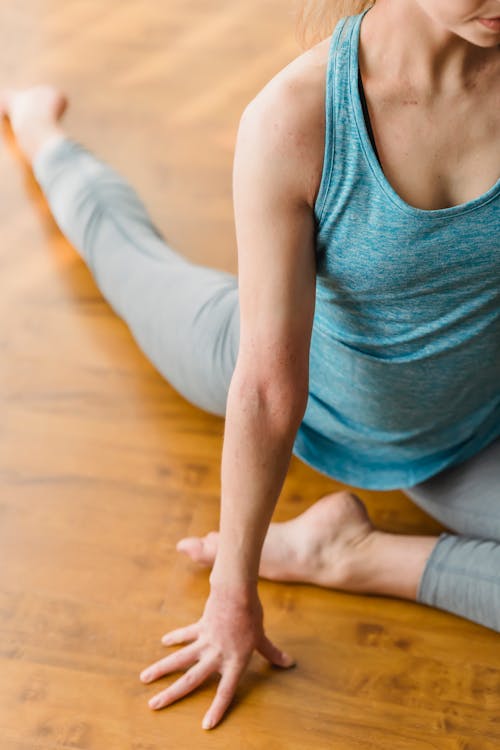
[(338, 111)]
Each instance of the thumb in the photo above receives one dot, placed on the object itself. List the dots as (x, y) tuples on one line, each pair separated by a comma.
[(274, 654)]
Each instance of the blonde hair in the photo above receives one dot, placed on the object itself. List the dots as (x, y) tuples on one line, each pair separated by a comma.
[(316, 19)]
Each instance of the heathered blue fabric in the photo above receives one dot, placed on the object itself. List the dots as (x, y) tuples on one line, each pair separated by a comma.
[(405, 349)]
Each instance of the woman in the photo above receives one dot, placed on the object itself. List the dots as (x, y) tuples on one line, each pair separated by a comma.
[(363, 333)]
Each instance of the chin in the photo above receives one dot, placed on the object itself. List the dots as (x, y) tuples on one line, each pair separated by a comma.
[(486, 44), (486, 41), (485, 37)]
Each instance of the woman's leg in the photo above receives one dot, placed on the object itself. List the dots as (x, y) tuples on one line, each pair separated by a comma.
[(462, 575), (184, 316)]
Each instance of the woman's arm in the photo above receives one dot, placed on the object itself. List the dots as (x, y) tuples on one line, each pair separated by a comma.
[(268, 391), (269, 388)]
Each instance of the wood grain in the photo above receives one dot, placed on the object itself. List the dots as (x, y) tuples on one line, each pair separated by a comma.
[(103, 466)]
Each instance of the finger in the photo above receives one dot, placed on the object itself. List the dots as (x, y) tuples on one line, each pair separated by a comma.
[(223, 697), (184, 685), (180, 660), (181, 635), (274, 654)]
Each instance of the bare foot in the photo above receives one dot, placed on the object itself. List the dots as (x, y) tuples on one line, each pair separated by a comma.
[(323, 545), (34, 114)]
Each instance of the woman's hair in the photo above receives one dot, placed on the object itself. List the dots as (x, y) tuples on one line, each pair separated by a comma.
[(316, 19)]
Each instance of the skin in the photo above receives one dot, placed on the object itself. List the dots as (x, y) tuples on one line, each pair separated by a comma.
[(426, 65)]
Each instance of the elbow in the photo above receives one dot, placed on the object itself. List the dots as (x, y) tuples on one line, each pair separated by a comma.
[(286, 406), (283, 403)]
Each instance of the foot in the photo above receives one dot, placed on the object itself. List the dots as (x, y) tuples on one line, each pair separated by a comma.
[(325, 545), (34, 114)]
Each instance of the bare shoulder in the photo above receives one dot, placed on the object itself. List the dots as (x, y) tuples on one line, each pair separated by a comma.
[(289, 112)]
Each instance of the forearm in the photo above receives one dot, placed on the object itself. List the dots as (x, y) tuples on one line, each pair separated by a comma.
[(258, 442)]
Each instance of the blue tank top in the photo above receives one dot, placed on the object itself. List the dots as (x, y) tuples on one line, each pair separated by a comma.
[(405, 350)]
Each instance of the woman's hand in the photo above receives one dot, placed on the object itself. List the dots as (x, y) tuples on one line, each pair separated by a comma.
[(222, 641)]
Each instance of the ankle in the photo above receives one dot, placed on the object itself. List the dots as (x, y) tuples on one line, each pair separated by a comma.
[(32, 140), (390, 564), (349, 569), (360, 564)]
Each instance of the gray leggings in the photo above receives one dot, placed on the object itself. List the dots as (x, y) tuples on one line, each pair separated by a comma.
[(185, 318)]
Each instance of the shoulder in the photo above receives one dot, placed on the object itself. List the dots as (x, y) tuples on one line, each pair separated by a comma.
[(286, 119)]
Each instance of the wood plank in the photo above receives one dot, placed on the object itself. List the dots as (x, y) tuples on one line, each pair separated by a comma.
[(103, 466)]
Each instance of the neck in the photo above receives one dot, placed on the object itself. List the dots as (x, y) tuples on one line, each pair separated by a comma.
[(401, 41)]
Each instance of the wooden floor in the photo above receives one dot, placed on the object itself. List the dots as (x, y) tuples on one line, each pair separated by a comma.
[(103, 467)]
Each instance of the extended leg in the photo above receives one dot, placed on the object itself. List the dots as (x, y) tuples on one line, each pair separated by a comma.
[(184, 316)]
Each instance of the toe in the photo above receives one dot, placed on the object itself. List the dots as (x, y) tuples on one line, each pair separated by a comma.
[(62, 106), (189, 545), (197, 548), (5, 101)]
